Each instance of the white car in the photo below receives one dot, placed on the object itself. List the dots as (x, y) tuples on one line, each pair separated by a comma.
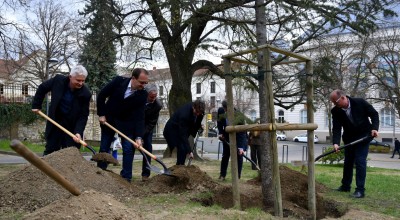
[(281, 137), (303, 138)]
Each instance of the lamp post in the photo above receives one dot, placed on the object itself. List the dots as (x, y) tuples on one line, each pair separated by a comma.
[(53, 61), (394, 97)]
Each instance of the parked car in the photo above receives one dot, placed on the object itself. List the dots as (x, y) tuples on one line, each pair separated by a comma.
[(303, 138), (377, 143), (281, 137)]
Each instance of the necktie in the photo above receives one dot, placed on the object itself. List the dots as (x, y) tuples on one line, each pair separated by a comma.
[(348, 113)]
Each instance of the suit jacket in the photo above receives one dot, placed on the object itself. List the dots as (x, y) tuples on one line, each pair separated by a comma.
[(152, 112), (125, 114), (222, 122), (80, 105), (397, 145), (361, 112), (182, 124)]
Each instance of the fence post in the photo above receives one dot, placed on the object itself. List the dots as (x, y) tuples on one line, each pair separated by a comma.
[(283, 153), (305, 149)]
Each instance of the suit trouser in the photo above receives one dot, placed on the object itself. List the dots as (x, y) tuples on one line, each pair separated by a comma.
[(58, 139), (225, 161), (255, 155), (107, 136), (181, 153), (147, 139), (396, 150), (355, 155)]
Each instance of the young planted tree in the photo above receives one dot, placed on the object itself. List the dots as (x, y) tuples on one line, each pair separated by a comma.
[(99, 50)]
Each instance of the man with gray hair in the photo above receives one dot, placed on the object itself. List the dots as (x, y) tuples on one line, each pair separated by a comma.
[(152, 112), (69, 107)]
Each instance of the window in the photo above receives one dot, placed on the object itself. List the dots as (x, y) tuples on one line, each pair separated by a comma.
[(253, 115), (198, 88), (25, 89), (327, 120), (212, 101), (358, 73), (387, 119), (212, 87), (160, 91), (303, 116), (281, 116), (386, 66)]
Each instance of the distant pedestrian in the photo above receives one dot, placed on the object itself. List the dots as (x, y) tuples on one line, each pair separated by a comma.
[(396, 147)]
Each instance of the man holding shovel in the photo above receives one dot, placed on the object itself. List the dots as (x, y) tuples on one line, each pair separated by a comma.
[(358, 119), (184, 122), (152, 111), (69, 107), (121, 103)]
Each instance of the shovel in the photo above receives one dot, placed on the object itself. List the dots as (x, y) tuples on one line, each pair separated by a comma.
[(142, 150), (342, 147), (100, 157), (247, 158)]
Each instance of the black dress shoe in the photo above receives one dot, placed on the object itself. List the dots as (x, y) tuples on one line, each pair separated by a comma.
[(342, 189), (358, 195)]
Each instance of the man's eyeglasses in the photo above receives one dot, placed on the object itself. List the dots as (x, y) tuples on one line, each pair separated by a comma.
[(143, 82), (337, 101)]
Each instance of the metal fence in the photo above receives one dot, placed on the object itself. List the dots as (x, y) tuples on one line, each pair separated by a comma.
[(16, 93)]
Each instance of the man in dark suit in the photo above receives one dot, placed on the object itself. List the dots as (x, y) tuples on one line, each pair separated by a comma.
[(69, 107), (124, 110), (152, 111), (396, 148), (358, 119), (184, 122), (241, 139)]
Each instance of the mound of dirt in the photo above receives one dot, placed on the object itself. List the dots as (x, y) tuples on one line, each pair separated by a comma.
[(29, 188), (294, 196), (183, 178), (89, 205)]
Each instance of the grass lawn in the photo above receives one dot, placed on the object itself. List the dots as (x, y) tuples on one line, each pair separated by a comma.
[(35, 147), (382, 188)]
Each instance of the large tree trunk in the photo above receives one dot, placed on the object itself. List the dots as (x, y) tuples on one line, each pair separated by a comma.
[(180, 92), (266, 154)]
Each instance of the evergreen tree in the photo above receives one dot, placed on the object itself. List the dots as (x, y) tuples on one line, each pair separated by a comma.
[(99, 51)]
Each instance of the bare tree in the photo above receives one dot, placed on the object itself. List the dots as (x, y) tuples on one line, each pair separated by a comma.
[(51, 33)]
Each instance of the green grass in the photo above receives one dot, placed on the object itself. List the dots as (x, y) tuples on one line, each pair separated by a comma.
[(5, 146), (382, 188), (37, 148)]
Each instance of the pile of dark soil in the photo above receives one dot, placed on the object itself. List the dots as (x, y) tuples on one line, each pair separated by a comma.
[(29, 189), (183, 178), (294, 189), (89, 205)]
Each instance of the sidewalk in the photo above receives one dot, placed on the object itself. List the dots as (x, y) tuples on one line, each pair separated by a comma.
[(381, 160)]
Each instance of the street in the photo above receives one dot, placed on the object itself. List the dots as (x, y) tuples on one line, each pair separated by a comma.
[(293, 151)]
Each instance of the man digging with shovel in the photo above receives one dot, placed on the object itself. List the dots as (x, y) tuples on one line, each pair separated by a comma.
[(121, 103), (353, 115), (69, 107)]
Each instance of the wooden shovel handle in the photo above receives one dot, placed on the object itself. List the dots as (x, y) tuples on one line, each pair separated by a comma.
[(42, 165), (60, 127), (130, 140)]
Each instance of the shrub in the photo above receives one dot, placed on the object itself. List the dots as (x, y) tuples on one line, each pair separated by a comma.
[(334, 157)]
